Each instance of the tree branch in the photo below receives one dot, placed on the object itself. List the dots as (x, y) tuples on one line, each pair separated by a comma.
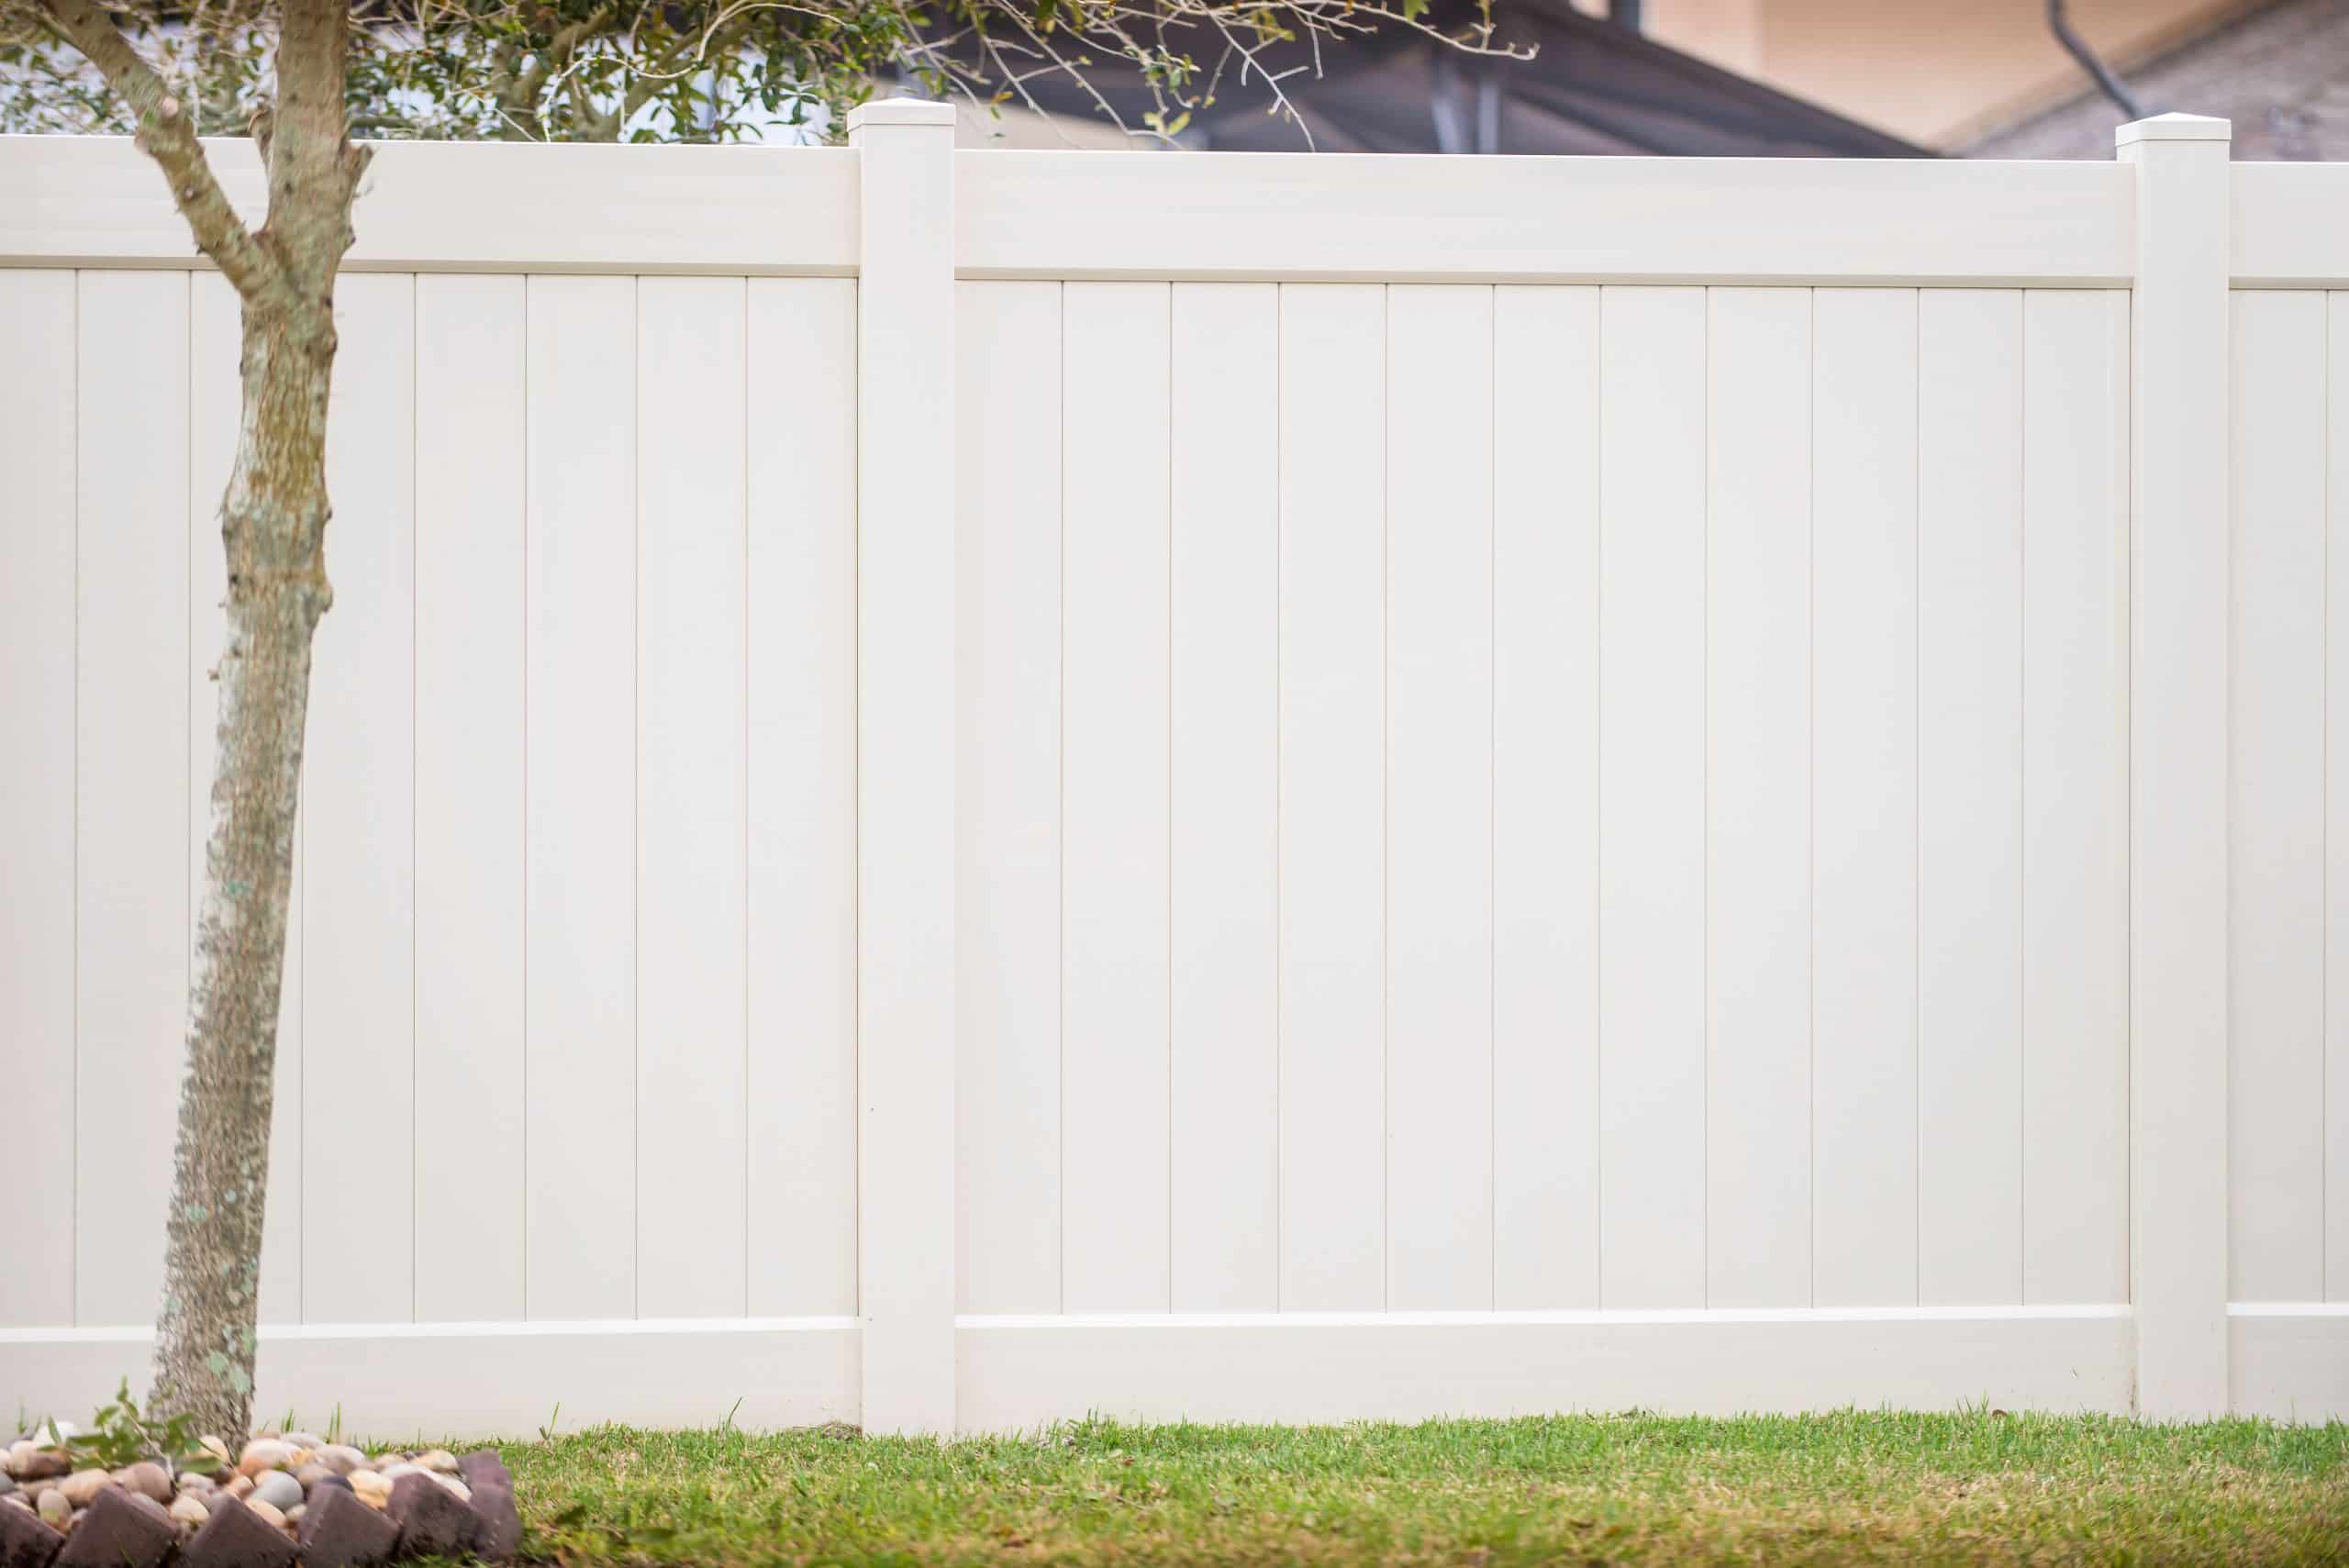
[(649, 80), (167, 134), (522, 90), (314, 168)]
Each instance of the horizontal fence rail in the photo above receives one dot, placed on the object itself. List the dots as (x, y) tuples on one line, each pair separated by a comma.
[(764, 211), (952, 789)]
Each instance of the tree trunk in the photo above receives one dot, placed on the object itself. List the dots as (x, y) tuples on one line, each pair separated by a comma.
[(273, 522)]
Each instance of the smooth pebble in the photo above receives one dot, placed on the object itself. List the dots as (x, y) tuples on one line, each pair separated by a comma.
[(147, 1479), (262, 1453), (341, 1458), (276, 1488), (29, 1463)]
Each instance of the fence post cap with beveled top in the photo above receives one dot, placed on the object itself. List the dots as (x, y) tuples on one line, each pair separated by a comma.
[(900, 111)]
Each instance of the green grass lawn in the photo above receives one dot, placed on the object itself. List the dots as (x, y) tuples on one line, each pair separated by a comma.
[(1841, 1488)]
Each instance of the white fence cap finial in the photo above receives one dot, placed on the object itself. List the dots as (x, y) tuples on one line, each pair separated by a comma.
[(2174, 127), (901, 110)]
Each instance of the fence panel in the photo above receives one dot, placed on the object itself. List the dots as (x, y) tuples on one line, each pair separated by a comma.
[(1331, 787)]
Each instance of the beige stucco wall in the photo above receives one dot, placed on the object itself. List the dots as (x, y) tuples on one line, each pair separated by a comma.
[(1936, 71)]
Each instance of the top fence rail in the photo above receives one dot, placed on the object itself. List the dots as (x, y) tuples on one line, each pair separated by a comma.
[(777, 211)]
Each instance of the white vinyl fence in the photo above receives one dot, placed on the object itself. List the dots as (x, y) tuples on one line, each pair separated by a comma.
[(953, 789)]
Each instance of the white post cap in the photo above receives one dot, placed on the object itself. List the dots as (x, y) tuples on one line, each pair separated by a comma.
[(900, 110)]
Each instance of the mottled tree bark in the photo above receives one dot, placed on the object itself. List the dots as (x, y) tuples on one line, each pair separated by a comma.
[(273, 522)]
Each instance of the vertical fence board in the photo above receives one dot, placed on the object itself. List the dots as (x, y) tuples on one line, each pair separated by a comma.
[(2075, 1042), (1545, 798), (38, 408), (1115, 864), (131, 749), (2336, 803), (1333, 878), (2277, 784), (1652, 797), (580, 751), (1758, 802), (469, 798), (1439, 797), (691, 652), (800, 1113), (358, 1098), (1864, 547), (215, 407), (1970, 358), (1226, 800), (1007, 1083)]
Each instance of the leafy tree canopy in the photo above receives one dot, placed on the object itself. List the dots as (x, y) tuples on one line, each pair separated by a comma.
[(634, 70)]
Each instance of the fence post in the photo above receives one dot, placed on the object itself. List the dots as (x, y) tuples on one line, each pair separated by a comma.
[(2178, 663), (904, 660)]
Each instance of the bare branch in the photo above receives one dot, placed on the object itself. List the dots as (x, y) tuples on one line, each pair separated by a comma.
[(167, 134), (599, 70), (522, 89), (681, 57)]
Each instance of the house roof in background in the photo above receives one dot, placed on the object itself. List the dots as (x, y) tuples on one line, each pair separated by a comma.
[(2280, 73), (1592, 87)]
